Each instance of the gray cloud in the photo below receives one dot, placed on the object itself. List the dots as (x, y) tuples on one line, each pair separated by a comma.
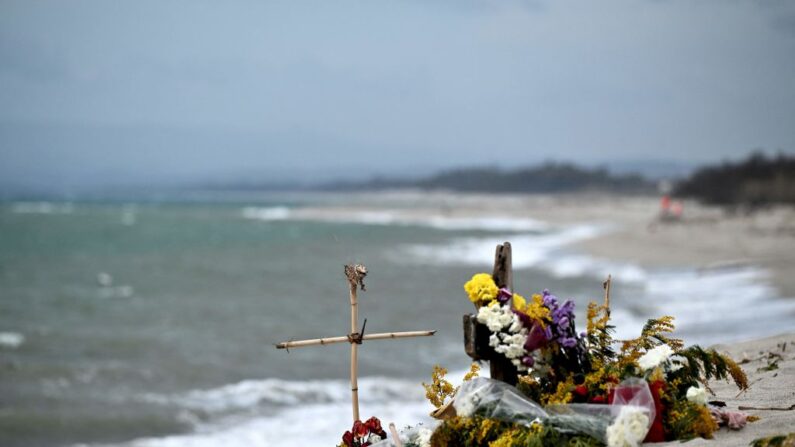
[(281, 85)]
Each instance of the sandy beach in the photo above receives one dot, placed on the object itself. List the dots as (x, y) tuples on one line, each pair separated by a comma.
[(705, 238), (772, 391)]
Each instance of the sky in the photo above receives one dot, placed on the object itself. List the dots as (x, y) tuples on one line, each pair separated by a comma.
[(101, 92)]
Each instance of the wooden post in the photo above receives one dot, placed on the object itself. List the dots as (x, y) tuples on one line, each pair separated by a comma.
[(500, 367), (503, 266), (476, 335)]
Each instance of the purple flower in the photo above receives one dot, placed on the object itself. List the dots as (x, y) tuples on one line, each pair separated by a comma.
[(536, 338), (528, 361), (551, 301), (568, 342), (504, 295)]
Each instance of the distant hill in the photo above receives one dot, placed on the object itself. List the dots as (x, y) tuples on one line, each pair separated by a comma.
[(755, 181), (546, 178)]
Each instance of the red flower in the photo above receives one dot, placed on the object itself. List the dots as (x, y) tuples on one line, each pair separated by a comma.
[(581, 390), (359, 429), (599, 400), (347, 439), (374, 425)]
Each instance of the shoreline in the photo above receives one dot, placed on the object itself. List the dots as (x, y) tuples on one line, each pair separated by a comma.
[(705, 238)]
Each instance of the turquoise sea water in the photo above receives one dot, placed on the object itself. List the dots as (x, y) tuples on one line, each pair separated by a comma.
[(154, 321)]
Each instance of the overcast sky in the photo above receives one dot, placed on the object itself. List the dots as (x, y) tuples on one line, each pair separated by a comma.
[(102, 91)]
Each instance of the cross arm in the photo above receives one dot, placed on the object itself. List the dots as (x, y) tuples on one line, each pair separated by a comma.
[(344, 338)]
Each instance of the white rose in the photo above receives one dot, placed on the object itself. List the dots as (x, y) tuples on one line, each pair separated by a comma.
[(697, 395), (655, 357)]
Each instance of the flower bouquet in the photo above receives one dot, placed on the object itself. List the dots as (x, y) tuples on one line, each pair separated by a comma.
[(582, 388)]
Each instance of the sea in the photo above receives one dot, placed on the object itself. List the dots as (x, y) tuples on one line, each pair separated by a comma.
[(151, 321)]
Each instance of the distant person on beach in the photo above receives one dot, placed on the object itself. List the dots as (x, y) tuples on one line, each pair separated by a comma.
[(670, 211)]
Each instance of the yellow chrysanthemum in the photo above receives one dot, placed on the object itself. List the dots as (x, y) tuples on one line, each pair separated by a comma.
[(519, 303), (536, 310), (481, 288)]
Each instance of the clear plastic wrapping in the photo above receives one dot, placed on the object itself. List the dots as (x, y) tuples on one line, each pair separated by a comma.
[(624, 423)]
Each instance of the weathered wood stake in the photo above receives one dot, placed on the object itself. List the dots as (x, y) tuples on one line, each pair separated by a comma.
[(476, 335)]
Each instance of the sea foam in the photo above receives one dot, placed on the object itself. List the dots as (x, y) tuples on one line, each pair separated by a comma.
[(396, 217), (11, 340), (266, 213), (275, 412)]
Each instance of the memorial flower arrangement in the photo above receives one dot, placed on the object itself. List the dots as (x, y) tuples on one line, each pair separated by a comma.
[(583, 388)]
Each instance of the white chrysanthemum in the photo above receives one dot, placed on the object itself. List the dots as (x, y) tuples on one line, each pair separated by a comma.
[(495, 317), (629, 429), (514, 351), (494, 340), (516, 325), (697, 395), (655, 357), (506, 317), (517, 339)]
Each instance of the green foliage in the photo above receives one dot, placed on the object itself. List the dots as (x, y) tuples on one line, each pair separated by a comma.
[(655, 332), (546, 178), (600, 335), (478, 431), (700, 365), (687, 420), (754, 182), (775, 441)]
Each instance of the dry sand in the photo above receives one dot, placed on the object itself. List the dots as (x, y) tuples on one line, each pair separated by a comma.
[(769, 389)]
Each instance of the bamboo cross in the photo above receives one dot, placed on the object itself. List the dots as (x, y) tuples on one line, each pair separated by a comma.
[(355, 274)]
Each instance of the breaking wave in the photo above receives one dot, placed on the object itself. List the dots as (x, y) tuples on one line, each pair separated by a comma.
[(394, 217), (266, 213), (275, 412), (42, 208)]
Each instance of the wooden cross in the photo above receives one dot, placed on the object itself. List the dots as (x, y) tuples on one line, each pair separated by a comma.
[(355, 275), (476, 335)]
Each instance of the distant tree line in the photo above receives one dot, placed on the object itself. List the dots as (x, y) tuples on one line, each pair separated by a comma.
[(756, 181), (546, 178)]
